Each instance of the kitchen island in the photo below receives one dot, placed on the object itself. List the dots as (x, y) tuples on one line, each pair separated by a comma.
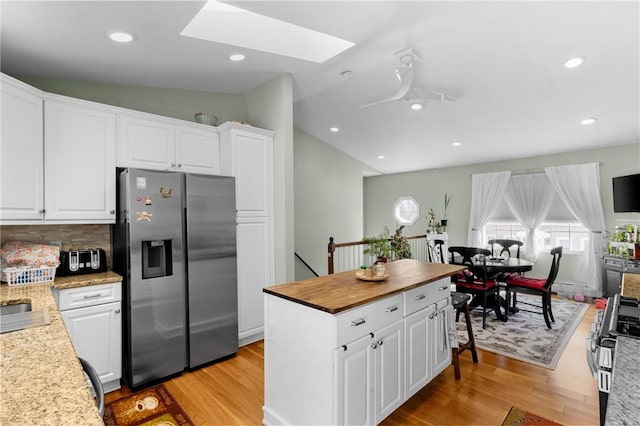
[(42, 381), (340, 350)]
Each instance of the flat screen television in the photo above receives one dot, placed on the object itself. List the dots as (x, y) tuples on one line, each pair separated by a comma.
[(626, 194)]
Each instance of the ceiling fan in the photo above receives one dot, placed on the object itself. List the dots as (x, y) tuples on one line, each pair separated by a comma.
[(413, 96)]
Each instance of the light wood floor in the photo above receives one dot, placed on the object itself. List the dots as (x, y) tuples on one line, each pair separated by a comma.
[(231, 392)]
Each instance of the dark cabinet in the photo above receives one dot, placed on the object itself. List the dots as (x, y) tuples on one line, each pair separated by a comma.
[(612, 269)]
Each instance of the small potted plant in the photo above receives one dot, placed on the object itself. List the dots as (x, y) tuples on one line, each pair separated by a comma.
[(379, 247)]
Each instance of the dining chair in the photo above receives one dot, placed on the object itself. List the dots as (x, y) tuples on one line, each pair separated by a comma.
[(460, 302), (474, 279), (435, 251), (505, 247), (536, 286)]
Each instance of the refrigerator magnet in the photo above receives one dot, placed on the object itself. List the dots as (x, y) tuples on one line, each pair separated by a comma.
[(166, 192), (147, 200), (144, 216)]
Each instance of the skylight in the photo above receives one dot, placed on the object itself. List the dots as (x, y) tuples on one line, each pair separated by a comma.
[(223, 23)]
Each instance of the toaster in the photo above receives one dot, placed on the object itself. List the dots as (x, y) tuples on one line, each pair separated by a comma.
[(78, 262)]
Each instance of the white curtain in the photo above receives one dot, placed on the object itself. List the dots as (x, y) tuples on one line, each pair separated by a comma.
[(530, 197), (487, 190), (578, 185)]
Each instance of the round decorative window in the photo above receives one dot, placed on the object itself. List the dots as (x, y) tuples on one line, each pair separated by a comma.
[(406, 210)]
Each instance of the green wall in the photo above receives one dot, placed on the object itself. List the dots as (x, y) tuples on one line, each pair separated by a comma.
[(271, 107), (429, 186), (175, 103), (328, 199)]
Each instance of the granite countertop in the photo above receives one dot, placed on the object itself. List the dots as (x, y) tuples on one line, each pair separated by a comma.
[(338, 292), (623, 407), (42, 379)]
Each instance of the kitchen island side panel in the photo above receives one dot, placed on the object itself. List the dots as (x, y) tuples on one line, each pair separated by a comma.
[(298, 363)]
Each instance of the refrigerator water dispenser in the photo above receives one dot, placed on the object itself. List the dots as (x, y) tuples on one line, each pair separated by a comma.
[(156, 259)]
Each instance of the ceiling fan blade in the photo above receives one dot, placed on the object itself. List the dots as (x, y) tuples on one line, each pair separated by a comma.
[(406, 79)]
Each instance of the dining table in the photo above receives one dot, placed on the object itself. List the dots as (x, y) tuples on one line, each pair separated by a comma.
[(497, 269), (508, 265)]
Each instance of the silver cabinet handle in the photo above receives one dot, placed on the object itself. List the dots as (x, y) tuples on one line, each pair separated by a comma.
[(420, 297), (391, 308), (92, 296), (379, 342), (374, 345), (357, 322), (41, 211), (179, 164), (112, 212), (117, 311), (444, 287), (173, 164)]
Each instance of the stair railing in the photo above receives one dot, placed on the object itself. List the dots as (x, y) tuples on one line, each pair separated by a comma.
[(348, 256)]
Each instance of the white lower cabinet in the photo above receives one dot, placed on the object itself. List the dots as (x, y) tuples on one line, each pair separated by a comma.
[(355, 367), (369, 380), (94, 322), (427, 346), (253, 237)]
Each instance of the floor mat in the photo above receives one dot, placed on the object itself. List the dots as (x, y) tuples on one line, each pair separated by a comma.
[(153, 406), (519, 417)]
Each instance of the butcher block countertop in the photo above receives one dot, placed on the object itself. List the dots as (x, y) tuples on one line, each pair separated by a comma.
[(630, 285), (341, 291), (41, 380)]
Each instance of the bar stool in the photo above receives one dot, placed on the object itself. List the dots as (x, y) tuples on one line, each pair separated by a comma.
[(460, 303)]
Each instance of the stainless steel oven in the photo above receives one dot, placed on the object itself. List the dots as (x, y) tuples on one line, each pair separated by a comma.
[(620, 317)]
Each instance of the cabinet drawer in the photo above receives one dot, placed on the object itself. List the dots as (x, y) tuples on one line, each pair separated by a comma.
[(80, 297), (366, 319), (423, 296)]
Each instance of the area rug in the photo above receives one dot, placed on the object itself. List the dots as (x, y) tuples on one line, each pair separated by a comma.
[(154, 406), (519, 417), (525, 336)]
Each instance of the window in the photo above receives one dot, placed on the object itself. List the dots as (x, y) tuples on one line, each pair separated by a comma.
[(571, 236), (559, 229), (406, 210)]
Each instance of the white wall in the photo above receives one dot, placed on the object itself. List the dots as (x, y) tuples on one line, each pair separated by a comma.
[(428, 188), (328, 198)]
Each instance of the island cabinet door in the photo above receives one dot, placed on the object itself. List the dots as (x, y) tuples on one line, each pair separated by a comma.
[(389, 379), (441, 348), (354, 382), (418, 353), (369, 377)]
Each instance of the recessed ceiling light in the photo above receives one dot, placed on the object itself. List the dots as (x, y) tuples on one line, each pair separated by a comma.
[(380, 157), (456, 144), (236, 57), (416, 105), (574, 62), (121, 37), (347, 74), (588, 121), (334, 129)]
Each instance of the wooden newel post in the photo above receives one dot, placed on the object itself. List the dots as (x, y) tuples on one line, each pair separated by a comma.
[(331, 248)]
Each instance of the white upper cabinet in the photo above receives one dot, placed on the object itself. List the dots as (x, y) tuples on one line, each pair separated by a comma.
[(197, 150), (145, 143), (158, 143), (21, 157), (247, 154), (79, 161)]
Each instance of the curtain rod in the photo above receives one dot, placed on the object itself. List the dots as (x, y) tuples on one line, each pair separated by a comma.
[(537, 170), (527, 172)]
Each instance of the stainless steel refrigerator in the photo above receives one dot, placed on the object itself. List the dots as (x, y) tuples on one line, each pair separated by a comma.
[(174, 242)]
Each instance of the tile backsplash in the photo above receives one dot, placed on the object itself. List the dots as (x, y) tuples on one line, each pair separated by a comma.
[(70, 236)]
